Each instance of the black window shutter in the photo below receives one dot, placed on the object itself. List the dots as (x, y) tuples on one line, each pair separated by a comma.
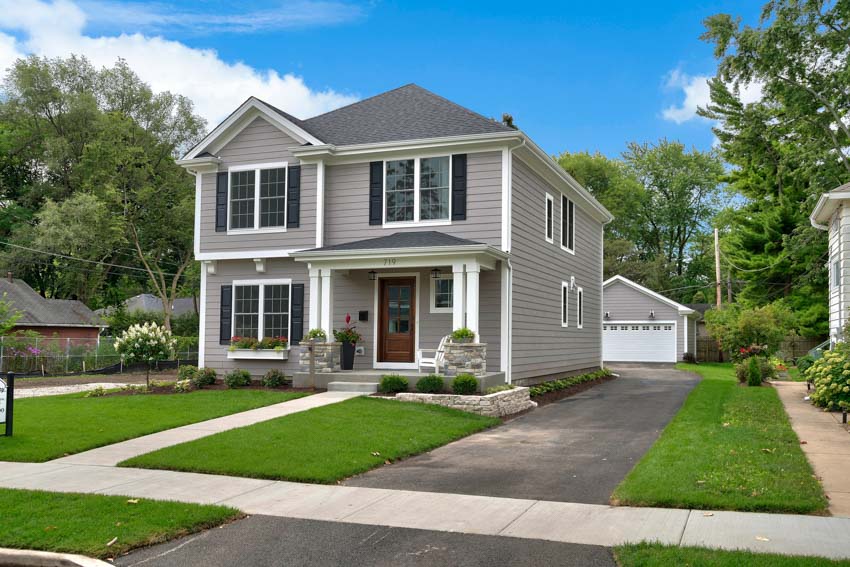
[(297, 328), (459, 187), (376, 192), (226, 314), (221, 202), (293, 197)]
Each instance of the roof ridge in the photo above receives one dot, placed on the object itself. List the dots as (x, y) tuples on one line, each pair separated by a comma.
[(361, 101), (465, 109)]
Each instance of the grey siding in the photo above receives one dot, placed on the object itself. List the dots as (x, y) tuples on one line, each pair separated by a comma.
[(542, 348), (259, 142), (227, 271), (347, 203), (625, 303), (354, 292)]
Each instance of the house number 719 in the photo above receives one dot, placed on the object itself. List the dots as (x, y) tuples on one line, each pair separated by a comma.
[(389, 261)]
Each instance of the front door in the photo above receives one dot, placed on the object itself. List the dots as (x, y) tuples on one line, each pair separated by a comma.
[(397, 323)]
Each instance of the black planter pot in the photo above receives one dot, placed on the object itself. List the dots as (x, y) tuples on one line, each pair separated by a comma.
[(347, 362)]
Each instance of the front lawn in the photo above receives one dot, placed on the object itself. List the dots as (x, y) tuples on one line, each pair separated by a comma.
[(656, 555), (88, 523), (52, 426), (730, 448), (321, 445)]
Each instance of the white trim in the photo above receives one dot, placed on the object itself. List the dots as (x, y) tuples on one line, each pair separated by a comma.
[(473, 296), (683, 310), (684, 339), (579, 308), (246, 254), (262, 283), (825, 207), (433, 294), (199, 182), (326, 318), (565, 304), (257, 168), (395, 365), (416, 193), (507, 188), (202, 317), (549, 231), (259, 354), (320, 203), (572, 221)]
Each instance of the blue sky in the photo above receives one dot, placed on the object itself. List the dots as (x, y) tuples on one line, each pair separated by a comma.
[(575, 76)]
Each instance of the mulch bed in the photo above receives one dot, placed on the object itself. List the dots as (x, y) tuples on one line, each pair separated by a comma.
[(39, 382), (219, 385), (551, 397)]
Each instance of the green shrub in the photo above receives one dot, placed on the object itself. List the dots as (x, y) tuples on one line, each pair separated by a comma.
[(754, 377), (204, 377), (184, 386), (464, 384), (804, 363), (741, 372), (318, 334), (431, 384), (187, 372), (274, 378), (463, 334), (186, 325), (738, 328), (500, 388), (568, 382), (393, 384), (237, 378), (831, 376), (98, 392)]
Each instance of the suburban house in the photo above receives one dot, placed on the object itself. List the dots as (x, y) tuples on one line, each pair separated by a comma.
[(411, 214), (640, 325), (832, 214), (150, 303), (60, 318)]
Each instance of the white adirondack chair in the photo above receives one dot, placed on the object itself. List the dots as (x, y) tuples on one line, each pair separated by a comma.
[(435, 361)]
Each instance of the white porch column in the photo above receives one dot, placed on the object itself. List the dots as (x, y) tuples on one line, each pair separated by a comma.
[(327, 302), (315, 298), (457, 296), (472, 277)]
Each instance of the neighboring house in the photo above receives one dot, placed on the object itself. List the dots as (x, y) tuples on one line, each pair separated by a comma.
[(413, 214), (643, 326), (63, 318), (832, 214), (701, 309), (149, 303)]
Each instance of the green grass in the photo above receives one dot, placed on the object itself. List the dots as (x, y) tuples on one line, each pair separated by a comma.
[(655, 555), (321, 445), (729, 447), (52, 426), (87, 523)]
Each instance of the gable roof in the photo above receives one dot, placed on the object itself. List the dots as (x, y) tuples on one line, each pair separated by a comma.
[(416, 239), (827, 204), (682, 309), (36, 311)]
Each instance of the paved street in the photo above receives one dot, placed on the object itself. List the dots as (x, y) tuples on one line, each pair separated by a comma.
[(575, 450)]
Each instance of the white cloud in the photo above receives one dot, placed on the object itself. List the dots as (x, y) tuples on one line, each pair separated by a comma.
[(697, 95), (216, 86)]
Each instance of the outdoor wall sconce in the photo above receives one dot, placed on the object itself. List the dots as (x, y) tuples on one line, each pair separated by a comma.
[(652, 314), (436, 273), (373, 275), (607, 314)]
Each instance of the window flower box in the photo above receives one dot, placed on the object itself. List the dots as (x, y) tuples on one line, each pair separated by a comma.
[(258, 354)]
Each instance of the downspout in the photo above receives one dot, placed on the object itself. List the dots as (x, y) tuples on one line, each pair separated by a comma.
[(510, 276)]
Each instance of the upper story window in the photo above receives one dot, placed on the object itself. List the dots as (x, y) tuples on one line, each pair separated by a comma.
[(550, 218), (568, 224), (417, 190), (257, 197), (442, 294), (261, 309)]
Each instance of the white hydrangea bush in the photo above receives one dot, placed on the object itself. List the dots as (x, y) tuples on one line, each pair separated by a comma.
[(146, 343), (831, 377)]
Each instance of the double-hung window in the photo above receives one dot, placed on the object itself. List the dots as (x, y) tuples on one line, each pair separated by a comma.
[(417, 190), (568, 224), (550, 218), (580, 308), (257, 197), (261, 309), (836, 273), (565, 304), (442, 294)]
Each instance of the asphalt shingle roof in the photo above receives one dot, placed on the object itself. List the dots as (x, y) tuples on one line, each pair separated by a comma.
[(426, 239), (406, 113), (38, 311)]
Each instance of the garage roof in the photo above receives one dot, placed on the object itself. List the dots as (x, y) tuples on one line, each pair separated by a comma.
[(683, 309)]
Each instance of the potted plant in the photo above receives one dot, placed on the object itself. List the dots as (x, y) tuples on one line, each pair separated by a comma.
[(317, 334), (348, 336), (269, 348), (463, 335)]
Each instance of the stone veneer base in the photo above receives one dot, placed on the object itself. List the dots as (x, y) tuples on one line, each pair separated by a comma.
[(500, 404)]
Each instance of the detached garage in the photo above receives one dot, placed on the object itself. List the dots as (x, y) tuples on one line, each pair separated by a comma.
[(640, 325)]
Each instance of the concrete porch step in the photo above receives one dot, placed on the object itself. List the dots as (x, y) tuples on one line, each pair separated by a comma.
[(364, 387)]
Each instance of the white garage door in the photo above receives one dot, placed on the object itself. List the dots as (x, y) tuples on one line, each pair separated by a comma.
[(639, 342)]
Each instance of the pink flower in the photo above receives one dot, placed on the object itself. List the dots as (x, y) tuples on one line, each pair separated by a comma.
[(348, 318)]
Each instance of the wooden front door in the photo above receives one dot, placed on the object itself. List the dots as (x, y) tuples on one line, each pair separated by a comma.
[(397, 323)]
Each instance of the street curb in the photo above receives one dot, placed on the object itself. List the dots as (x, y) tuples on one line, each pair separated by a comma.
[(29, 558)]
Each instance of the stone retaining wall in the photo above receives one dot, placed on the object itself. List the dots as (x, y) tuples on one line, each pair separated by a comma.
[(465, 358), (500, 404), (327, 357)]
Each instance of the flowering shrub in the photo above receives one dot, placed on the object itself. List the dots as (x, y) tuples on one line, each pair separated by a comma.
[(831, 377), (318, 334), (146, 343), (778, 364), (267, 343), (183, 386), (752, 350)]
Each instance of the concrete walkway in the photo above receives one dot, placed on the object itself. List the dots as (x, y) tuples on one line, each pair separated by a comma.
[(111, 455), (589, 524), (825, 442)]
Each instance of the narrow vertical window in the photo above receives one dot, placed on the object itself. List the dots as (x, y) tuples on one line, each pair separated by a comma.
[(550, 218), (246, 311), (276, 311), (580, 308), (836, 274), (568, 213), (242, 199), (400, 190), (273, 197), (565, 304), (434, 188)]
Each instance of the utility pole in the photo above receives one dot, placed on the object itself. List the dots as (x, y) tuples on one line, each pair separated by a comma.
[(717, 265)]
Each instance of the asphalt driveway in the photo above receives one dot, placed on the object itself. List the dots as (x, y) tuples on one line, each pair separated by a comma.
[(575, 450)]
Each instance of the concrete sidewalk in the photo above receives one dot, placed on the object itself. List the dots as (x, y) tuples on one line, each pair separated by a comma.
[(825, 442), (567, 522), (111, 455)]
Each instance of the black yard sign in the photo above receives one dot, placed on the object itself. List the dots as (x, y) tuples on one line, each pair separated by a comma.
[(7, 401)]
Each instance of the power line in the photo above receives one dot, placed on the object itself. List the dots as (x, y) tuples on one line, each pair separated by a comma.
[(66, 257)]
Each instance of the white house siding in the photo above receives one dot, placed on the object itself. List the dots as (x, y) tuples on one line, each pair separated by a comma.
[(258, 143), (542, 348), (347, 203), (839, 250)]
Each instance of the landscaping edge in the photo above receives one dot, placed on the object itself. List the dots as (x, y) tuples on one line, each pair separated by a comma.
[(498, 404), (31, 558)]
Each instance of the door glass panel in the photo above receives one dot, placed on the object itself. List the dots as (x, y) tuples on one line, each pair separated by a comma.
[(398, 309)]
